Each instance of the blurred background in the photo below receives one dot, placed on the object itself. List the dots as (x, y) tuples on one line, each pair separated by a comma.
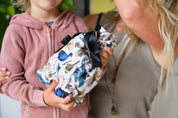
[(10, 108), (80, 7)]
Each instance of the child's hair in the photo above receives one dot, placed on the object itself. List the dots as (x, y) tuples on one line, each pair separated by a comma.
[(23, 4)]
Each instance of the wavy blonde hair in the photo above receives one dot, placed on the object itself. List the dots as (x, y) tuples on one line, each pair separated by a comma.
[(23, 4), (168, 28)]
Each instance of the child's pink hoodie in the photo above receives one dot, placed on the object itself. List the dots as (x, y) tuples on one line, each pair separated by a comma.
[(27, 45)]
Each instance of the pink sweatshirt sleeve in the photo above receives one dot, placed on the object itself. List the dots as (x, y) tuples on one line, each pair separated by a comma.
[(12, 57)]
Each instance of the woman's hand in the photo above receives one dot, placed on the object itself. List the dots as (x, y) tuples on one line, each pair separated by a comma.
[(105, 55), (4, 75), (51, 99)]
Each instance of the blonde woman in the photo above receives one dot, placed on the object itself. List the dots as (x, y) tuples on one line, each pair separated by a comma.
[(132, 84)]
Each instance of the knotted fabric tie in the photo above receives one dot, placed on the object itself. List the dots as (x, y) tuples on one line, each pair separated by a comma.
[(90, 41)]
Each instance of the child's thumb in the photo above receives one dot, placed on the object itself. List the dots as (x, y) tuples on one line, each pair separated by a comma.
[(53, 85)]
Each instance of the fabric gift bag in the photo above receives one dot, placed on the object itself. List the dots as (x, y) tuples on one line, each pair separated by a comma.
[(77, 66)]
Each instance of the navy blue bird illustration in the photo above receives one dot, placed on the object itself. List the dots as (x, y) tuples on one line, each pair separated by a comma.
[(58, 68), (81, 75), (61, 93), (63, 56)]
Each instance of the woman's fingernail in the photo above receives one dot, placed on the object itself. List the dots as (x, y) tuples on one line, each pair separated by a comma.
[(7, 73), (7, 77), (3, 69), (105, 48)]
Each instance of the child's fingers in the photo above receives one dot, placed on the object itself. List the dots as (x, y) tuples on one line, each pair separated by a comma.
[(66, 100), (52, 86), (55, 101), (68, 106)]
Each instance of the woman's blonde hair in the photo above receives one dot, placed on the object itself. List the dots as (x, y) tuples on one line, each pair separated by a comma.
[(168, 28)]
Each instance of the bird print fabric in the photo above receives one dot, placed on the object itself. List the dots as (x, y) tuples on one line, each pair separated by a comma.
[(72, 66)]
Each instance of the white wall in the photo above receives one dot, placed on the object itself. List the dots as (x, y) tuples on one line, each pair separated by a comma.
[(9, 108)]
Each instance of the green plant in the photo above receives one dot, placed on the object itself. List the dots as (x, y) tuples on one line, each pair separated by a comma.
[(67, 4), (7, 10)]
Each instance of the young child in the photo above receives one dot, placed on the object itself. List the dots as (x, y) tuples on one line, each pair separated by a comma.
[(30, 39)]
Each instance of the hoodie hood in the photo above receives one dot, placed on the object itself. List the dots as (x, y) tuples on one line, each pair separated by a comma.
[(63, 20)]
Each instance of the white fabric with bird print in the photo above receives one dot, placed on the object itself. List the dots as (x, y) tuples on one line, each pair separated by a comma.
[(73, 66)]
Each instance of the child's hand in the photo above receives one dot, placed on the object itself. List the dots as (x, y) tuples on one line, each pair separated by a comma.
[(105, 55), (51, 99), (4, 74)]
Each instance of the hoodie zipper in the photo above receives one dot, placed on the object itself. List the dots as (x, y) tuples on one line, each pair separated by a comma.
[(51, 51), (50, 40)]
